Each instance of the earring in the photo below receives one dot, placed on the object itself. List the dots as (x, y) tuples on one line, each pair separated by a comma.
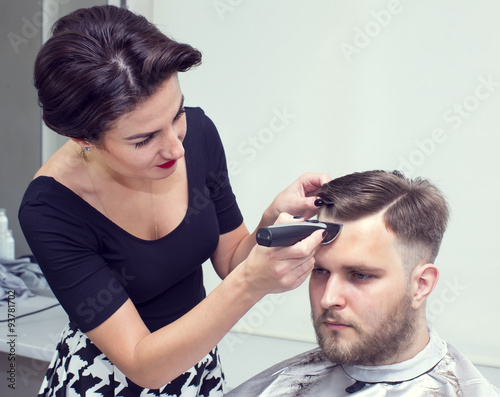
[(87, 149)]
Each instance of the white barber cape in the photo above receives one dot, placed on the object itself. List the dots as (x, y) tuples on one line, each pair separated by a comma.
[(438, 370)]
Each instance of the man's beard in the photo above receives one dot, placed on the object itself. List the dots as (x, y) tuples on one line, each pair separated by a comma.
[(389, 338)]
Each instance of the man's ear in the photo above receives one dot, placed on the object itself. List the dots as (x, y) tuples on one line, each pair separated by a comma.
[(424, 280)]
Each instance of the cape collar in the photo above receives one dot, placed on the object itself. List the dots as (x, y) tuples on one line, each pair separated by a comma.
[(420, 364), (314, 363)]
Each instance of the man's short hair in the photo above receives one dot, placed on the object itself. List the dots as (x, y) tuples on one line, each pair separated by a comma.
[(414, 210)]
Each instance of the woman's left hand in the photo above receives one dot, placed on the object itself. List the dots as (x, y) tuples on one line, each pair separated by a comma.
[(298, 198)]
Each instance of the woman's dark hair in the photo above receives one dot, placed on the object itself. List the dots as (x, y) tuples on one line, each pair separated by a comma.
[(99, 64), (414, 210)]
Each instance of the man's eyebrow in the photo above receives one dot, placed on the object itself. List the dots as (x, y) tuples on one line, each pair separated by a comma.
[(363, 268), (355, 268), (147, 134)]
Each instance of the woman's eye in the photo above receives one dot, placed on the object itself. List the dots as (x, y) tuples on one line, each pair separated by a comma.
[(144, 142), (181, 112)]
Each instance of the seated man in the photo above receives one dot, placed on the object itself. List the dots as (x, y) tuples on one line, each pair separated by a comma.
[(368, 292)]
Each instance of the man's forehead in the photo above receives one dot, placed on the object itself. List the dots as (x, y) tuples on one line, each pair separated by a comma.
[(366, 240), (370, 226)]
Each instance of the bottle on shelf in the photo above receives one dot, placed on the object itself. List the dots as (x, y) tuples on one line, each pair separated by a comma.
[(4, 222), (7, 245)]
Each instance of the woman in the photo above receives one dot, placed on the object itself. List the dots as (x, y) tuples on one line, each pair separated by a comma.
[(122, 217)]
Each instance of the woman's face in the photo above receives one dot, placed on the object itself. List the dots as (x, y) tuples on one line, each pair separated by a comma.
[(147, 142)]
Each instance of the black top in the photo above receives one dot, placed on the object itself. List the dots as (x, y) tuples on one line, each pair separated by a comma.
[(93, 265)]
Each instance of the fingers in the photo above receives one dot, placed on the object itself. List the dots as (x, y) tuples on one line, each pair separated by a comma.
[(298, 198), (284, 233), (308, 185), (285, 217), (309, 208), (312, 182), (279, 269), (305, 248), (299, 258), (303, 252), (302, 260), (298, 274)]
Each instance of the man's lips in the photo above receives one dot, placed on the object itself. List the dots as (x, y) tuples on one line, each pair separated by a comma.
[(168, 164), (336, 326)]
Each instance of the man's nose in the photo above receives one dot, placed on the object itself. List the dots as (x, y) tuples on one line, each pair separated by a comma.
[(334, 296)]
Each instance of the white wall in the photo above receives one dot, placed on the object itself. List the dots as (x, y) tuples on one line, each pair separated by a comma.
[(413, 85), (363, 85)]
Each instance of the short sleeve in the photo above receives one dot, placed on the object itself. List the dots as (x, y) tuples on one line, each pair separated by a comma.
[(68, 254), (218, 183)]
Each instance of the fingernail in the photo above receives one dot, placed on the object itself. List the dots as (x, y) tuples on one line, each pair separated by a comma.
[(321, 202), (318, 202), (325, 233), (298, 217)]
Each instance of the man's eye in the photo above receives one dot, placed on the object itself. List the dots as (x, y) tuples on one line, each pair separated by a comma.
[(319, 271), (144, 142), (362, 276)]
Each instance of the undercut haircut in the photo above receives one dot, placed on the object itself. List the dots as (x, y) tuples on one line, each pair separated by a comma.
[(414, 210)]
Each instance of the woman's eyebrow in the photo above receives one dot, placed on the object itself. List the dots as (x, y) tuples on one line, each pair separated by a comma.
[(141, 135), (181, 107), (147, 134)]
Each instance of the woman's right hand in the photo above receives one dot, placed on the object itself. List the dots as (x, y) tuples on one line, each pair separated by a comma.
[(140, 354), (279, 269)]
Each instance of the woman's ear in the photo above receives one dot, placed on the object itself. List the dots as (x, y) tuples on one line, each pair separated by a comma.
[(424, 280), (84, 144)]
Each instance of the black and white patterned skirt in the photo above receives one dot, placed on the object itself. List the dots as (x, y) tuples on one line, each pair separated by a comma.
[(79, 368)]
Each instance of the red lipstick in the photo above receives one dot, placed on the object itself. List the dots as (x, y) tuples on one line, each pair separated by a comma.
[(168, 164)]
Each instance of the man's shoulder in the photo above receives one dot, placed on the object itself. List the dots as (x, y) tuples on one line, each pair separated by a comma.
[(308, 362), (467, 377), (307, 359)]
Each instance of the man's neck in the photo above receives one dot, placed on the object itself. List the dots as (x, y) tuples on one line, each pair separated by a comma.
[(414, 346)]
